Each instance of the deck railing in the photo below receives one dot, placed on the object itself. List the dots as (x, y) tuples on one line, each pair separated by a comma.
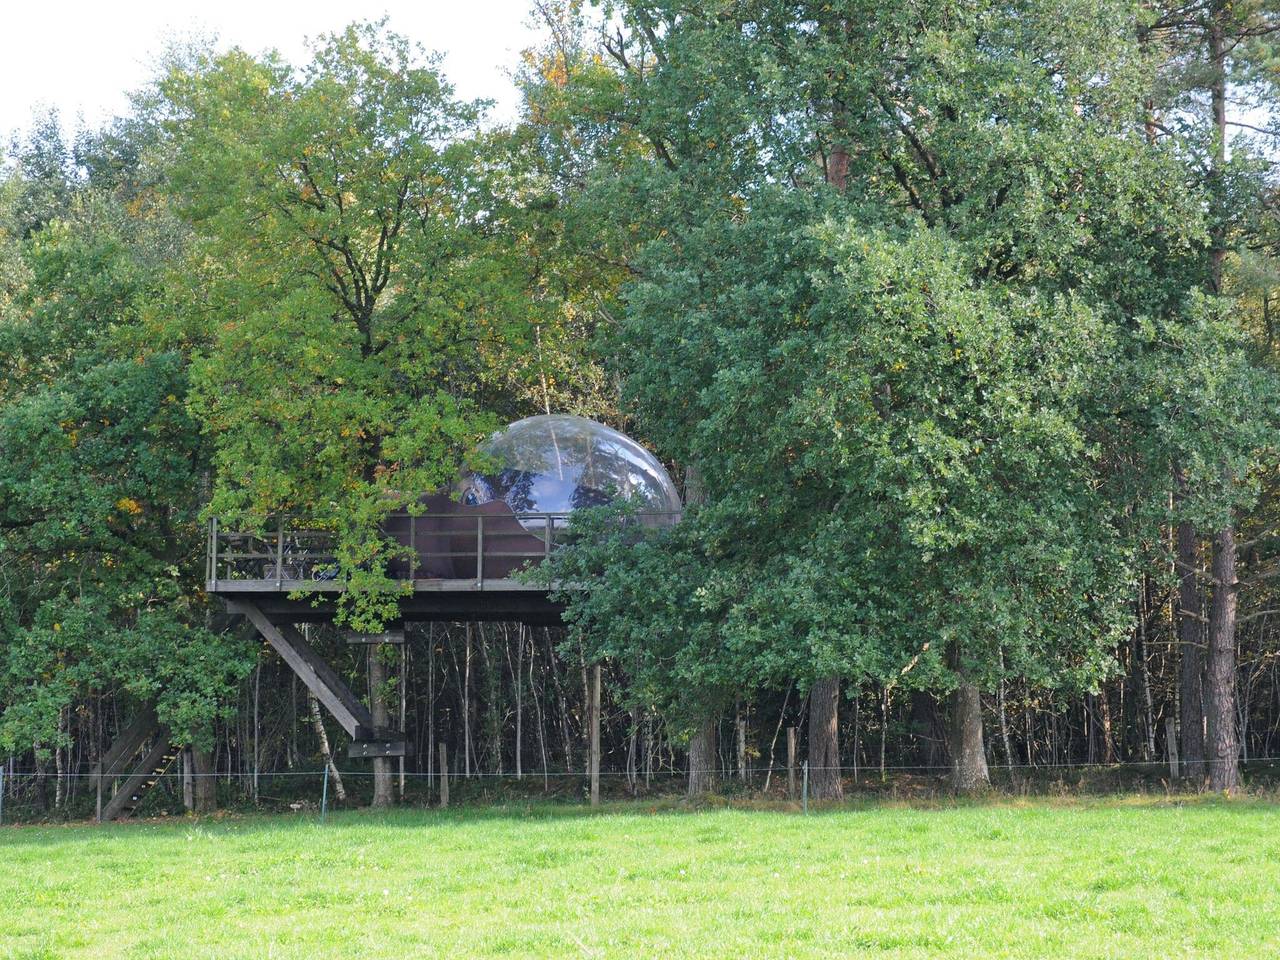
[(469, 546)]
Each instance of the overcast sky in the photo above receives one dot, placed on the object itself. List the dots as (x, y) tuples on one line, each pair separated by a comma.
[(84, 57)]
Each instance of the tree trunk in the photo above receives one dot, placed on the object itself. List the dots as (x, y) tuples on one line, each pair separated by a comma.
[(1143, 672), (1224, 742), (968, 754), (331, 770), (702, 758), (383, 794), (1219, 11), (59, 762), (518, 677), (466, 707), (1191, 647), (188, 797), (204, 788), (824, 740), (740, 732), (594, 745)]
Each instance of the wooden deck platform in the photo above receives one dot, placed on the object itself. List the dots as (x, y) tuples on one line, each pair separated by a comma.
[(291, 574)]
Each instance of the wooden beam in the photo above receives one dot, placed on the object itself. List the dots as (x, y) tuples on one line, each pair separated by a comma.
[(376, 748), (311, 669), (387, 636)]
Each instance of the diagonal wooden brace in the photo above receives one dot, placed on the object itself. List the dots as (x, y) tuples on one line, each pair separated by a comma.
[(311, 669)]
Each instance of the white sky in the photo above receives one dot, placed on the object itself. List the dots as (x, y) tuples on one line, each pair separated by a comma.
[(84, 57)]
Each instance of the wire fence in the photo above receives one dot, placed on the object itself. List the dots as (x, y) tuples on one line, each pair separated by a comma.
[(722, 772), (790, 782)]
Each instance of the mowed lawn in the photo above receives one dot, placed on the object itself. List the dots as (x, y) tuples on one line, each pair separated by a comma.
[(1100, 878)]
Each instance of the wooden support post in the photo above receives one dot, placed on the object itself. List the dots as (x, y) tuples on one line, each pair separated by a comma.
[(213, 553), (382, 792), (791, 763), (444, 775), (595, 736)]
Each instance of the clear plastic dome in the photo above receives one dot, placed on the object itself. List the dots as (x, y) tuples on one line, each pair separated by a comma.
[(558, 463)]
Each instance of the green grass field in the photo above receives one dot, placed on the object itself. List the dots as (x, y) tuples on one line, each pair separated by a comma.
[(1092, 878)]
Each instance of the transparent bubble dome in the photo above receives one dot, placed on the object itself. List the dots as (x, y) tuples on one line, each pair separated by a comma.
[(558, 463)]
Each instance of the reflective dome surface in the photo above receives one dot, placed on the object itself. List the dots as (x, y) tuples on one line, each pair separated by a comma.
[(558, 463)]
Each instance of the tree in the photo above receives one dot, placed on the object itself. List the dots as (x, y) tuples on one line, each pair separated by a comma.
[(976, 142), (1217, 58), (360, 312), (100, 469)]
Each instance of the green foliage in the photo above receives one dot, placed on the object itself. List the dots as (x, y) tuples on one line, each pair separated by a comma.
[(101, 467), (898, 475), (363, 297), (934, 409), (932, 300)]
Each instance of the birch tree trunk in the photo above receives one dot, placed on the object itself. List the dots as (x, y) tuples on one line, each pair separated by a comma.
[(1220, 675), (331, 771), (1191, 649)]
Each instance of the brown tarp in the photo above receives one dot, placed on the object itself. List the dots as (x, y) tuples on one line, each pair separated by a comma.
[(445, 539)]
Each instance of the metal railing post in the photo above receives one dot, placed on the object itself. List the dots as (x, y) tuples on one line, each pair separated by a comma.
[(280, 553), (413, 548)]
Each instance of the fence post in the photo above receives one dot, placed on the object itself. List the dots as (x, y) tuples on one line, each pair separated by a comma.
[(444, 775), (806, 786)]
